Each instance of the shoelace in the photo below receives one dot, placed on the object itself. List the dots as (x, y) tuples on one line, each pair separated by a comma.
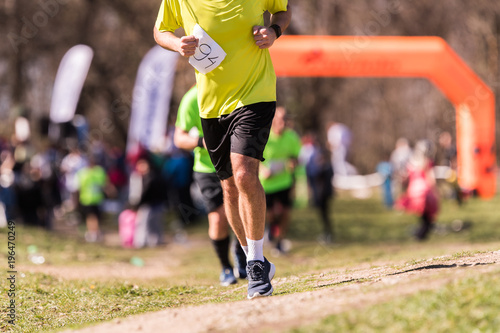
[(256, 271)]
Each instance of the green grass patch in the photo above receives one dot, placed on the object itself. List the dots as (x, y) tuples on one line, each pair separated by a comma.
[(45, 303)]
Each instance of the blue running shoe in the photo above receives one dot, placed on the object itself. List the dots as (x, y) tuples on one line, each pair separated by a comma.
[(259, 276), (227, 277)]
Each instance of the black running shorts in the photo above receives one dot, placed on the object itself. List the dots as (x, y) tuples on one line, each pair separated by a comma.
[(90, 210), (211, 190), (244, 131)]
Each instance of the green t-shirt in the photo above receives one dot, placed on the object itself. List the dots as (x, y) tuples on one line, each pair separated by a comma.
[(91, 181), (278, 152), (246, 75), (188, 117)]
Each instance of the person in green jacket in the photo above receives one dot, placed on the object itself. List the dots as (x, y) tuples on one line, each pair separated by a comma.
[(92, 184)]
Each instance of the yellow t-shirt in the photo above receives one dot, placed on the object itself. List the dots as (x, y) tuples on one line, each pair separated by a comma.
[(246, 76)]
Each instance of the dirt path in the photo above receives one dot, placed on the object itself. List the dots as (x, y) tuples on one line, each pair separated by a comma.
[(356, 288)]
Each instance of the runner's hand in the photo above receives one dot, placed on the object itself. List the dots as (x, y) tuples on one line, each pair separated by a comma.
[(188, 45), (263, 36)]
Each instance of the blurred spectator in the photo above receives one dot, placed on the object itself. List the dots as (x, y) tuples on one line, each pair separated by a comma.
[(385, 170), (115, 166), (177, 171), (116, 169), (81, 127), (339, 137), (319, 176), (399, 160), (26, 184), (448, 151), (309, 146), (44, 164), (70, 165), (29, 195), (146, 196), (421, 196), (7, 178), (277, 176), (302, 189), (23, 152), (448, 157)]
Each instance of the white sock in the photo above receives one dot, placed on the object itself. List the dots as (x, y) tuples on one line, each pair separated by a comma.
[(245, 249), (255, 250)]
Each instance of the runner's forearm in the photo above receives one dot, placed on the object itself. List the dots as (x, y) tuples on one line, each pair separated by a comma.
[(185, 45), (183, 140), (167, 40)]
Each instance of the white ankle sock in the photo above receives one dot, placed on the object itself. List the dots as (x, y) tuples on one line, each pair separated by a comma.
[(255, 250), (245, 249)]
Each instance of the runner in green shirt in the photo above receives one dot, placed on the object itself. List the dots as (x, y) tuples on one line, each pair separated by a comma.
[(277, 177), (189, 136), (92, 181)]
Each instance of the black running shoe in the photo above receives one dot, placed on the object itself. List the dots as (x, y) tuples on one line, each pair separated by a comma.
[(259, 276)]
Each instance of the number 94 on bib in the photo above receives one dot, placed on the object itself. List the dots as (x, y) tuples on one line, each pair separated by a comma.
[(208, 54)]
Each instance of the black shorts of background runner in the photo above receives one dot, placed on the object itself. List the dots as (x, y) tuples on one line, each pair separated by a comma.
[(244, 131), (211, 190), (283, 197), (90, 210)]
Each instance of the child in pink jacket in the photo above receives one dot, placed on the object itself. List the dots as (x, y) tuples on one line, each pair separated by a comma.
[(421, 196)]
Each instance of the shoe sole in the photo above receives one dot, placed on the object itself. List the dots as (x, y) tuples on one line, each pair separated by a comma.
[(261, 295), (227, 284)]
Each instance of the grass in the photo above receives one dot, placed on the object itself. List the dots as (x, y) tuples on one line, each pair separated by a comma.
[(366, 233), (47, 303)]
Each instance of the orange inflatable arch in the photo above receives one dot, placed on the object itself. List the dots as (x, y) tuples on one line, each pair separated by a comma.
[(427, 57)]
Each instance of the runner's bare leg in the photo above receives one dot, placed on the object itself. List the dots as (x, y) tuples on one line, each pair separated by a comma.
[(252, 201), (231, 205)]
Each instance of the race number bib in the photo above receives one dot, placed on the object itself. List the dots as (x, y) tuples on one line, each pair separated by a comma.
[(208, 54)]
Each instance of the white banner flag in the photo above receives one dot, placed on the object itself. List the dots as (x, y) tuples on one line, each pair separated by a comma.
[(151, 99), (68, 85)]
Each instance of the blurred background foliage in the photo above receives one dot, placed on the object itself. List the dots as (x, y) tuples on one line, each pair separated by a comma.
[(36, 34)]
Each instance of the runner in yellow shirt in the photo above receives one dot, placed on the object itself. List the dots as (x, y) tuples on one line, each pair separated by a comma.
[(237, 100)]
